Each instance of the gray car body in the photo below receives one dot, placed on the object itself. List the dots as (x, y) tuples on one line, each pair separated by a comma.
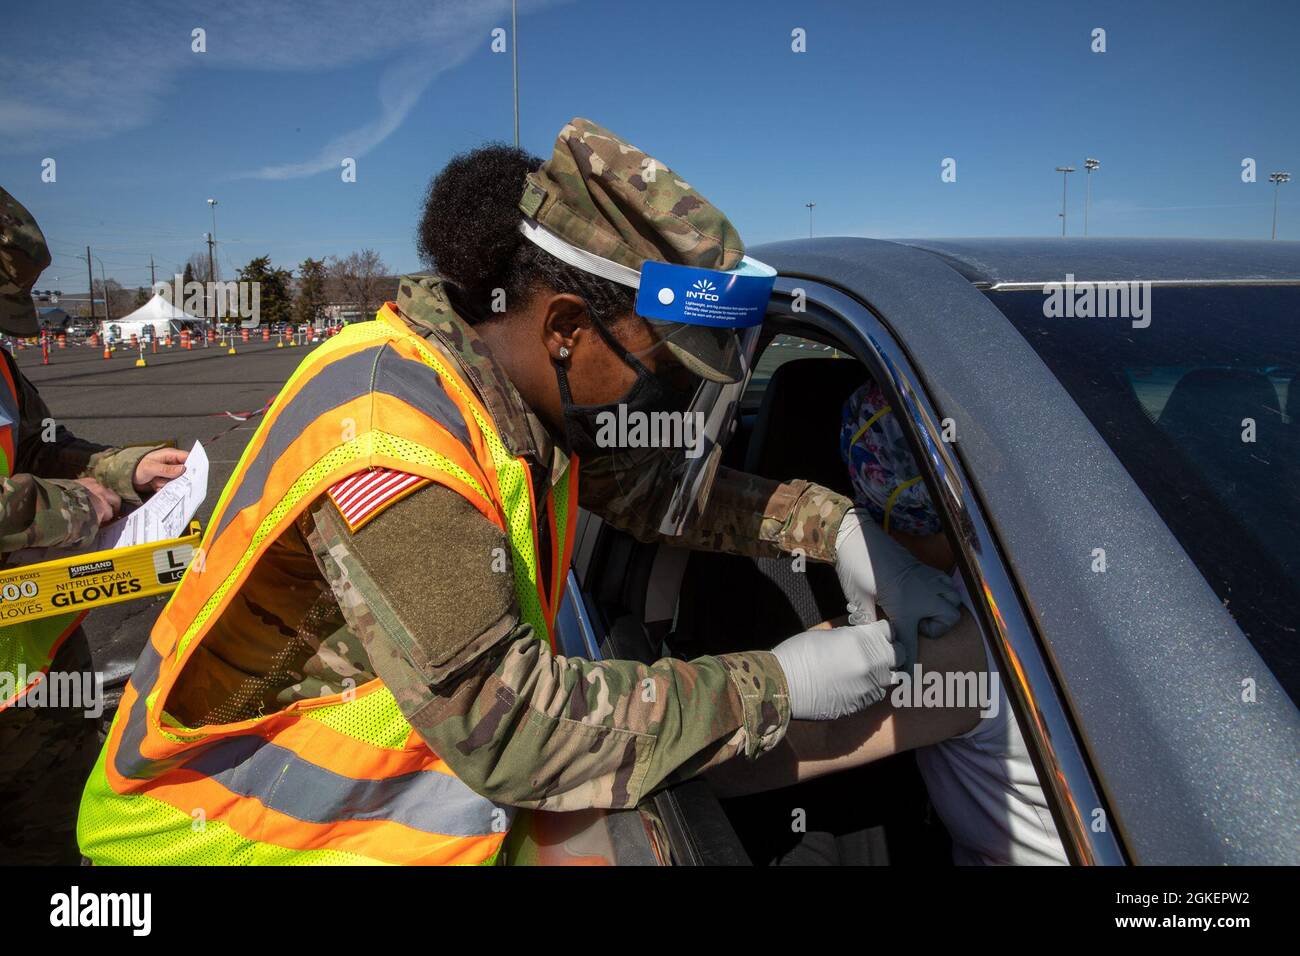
[(1149, 662)]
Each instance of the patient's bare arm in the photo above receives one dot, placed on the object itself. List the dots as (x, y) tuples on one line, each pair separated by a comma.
[(815, 748)]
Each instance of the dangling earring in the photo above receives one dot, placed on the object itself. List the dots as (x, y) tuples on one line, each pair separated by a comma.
[(564, 352)]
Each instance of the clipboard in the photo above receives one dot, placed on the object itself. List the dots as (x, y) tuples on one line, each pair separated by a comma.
[(97, 579)]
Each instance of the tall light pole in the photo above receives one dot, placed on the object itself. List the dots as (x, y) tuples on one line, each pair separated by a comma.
[(103, 282), (212, 272), (90, 278), (1088, 166), (1277, 179), (1064, 171), (810, 209), (514, 61)]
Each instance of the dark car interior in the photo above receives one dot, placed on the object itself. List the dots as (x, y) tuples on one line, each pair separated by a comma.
[(1244, 492), (876, 815)]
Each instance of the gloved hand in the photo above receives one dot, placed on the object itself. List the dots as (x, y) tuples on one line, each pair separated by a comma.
[(838, 671), (873, 569)]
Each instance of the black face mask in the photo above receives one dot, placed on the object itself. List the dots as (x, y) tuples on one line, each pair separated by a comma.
[(649, 393)]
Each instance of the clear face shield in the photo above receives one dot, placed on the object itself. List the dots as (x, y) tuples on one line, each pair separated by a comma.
[(665, 460), (683, 444), (657, 450)]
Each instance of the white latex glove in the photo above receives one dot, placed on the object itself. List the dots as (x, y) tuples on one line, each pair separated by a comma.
[(873, 569), (837, 671)]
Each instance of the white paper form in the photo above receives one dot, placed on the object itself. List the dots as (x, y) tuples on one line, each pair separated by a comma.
[(166, 515)]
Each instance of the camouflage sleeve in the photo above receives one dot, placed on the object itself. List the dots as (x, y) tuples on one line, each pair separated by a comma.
[(46, 448), (518, 723), (115, 468), (38, 513), (745, 514)]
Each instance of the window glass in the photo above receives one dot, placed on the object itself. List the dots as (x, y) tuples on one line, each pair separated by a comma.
[(1201, 407)]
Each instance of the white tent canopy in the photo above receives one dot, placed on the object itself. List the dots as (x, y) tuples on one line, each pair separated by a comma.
[(158, 314)]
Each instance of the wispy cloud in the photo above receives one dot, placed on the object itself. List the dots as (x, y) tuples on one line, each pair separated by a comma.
[(400, 89), (137, 53)]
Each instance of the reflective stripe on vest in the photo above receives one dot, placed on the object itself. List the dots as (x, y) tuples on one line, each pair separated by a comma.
[(344, 778), (27, 648)]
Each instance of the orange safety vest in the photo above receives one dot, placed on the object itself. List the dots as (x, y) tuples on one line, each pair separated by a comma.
[(343, 778), (27, 648)]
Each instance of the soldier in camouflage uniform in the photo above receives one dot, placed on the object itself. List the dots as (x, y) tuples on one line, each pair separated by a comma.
[(59, 490), (413, 597)]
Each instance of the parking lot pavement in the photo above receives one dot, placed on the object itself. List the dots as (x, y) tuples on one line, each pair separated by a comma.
[(179, 395)]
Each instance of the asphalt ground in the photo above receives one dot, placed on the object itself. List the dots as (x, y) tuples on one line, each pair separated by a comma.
[(180, 396)]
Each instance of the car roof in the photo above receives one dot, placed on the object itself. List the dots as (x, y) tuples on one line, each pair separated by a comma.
[(1035, 260)]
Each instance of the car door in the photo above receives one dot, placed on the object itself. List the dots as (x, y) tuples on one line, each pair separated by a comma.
[(609, 611), (1062, 766), (631, 591)]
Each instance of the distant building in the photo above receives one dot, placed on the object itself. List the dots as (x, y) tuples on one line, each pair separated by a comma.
[(76, 304)]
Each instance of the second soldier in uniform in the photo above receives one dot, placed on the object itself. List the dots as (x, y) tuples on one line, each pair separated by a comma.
[(55, 490)]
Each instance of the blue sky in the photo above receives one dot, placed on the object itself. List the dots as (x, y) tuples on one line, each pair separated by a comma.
[(144, 130)]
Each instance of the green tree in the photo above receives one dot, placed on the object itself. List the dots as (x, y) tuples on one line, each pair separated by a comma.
[(186, 278), (274, 298), (309, 306)]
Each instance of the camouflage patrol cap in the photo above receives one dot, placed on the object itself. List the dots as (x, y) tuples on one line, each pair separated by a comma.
[(23, 257), (603, 195)]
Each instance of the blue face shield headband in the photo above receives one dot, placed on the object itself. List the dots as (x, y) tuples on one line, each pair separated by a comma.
[(727, 300)]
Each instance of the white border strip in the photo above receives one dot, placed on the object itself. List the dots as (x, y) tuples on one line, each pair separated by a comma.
[(540, 236), (579, 258)]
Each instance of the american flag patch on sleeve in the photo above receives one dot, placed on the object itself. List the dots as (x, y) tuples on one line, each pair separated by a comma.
[(361, 496)]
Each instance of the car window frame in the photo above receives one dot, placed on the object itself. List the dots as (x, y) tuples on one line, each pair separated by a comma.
[(1059, 758)]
